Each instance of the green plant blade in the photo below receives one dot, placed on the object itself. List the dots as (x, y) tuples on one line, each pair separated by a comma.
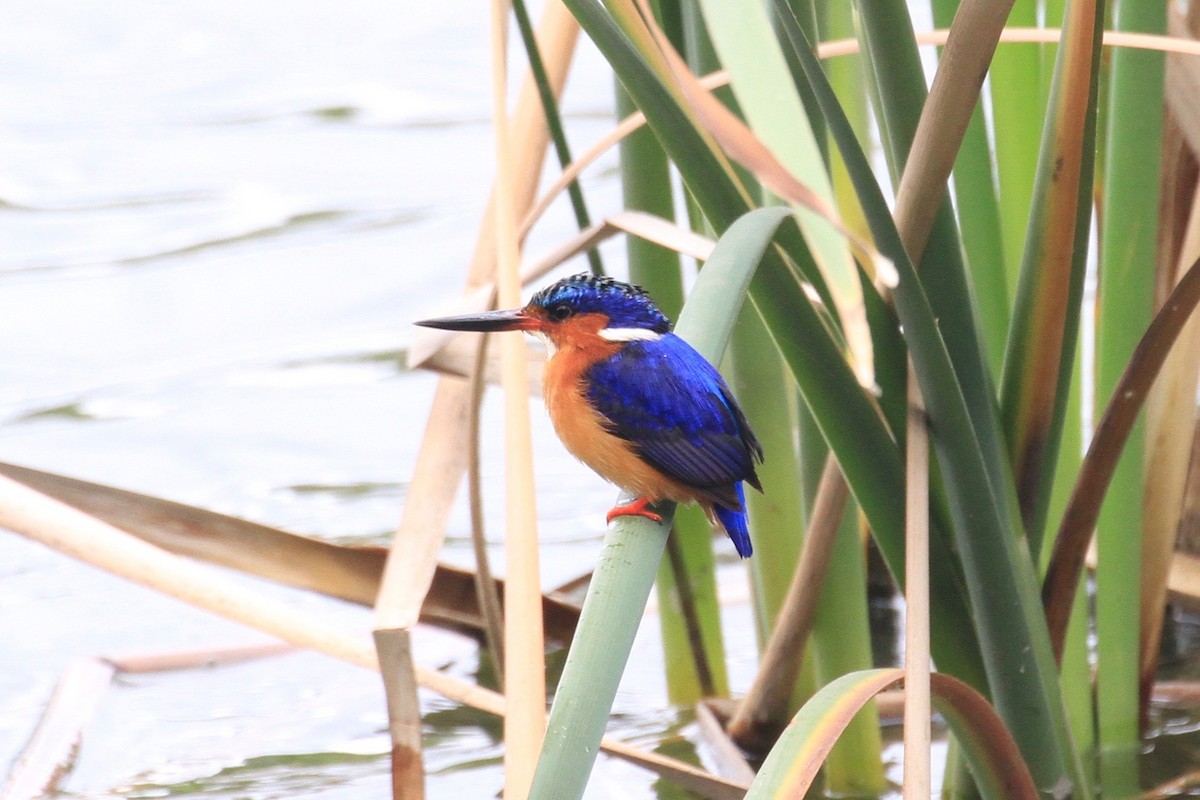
[(979, 215), (1126, 295), (614, 604), (765, 391), (841, 645), (767, 98), (1016, 99), (995, 762), (1044, 329)]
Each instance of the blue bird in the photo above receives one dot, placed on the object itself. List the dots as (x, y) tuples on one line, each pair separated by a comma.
[(635, 402)]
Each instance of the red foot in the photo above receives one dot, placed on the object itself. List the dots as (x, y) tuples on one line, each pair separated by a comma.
[(635, 508)]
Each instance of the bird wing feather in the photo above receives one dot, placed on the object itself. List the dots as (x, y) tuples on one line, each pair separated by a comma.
[(668, 402)]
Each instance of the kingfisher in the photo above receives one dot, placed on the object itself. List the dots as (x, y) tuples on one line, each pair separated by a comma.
[(633, 401)]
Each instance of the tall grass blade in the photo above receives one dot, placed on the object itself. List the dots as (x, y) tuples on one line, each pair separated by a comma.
[(1075, 660), (690, 612), (767, 393), (1016, 94), (524, 643), (1054, 14), (766, 95), (1045, 321), (991, 753), (1108, 442), (836, 21), (1126, 291), (978, 209), (887, 31)]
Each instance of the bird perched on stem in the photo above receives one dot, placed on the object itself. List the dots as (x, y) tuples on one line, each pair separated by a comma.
[(635, 402)]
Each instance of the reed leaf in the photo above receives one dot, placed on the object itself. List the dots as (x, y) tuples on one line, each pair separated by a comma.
[(1109, 440), (562, 149), (1044, 329), (978, 209), (991, 753), (887, 33), (1016, 93), (767, 98), (1171, 424), (766, 393), (1126, 291), (836, 21)]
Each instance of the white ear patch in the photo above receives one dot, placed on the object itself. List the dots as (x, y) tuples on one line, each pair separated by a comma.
[(550, 348), (629, 335)]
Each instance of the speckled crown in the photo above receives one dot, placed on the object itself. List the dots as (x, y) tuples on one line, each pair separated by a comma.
[(627, 305)]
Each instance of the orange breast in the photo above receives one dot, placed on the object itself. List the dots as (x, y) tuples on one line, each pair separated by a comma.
[(582, 430)]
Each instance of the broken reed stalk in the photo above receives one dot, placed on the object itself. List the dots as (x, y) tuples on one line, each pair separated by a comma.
[(524, 642), (917, 732), (53, 748), (350, 573), (40, 766)]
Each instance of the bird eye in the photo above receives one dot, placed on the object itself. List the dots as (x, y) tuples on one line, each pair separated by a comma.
[(560, 312)]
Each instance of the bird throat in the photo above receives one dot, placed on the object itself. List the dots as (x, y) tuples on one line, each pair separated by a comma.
[(551, 348)]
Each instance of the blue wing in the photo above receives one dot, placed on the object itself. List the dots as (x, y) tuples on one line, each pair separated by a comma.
[(674, 407)]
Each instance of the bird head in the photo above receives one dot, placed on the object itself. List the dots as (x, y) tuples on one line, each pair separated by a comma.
[(582, 311)]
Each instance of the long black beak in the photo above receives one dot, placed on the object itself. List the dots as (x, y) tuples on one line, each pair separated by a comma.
[(487, 322)]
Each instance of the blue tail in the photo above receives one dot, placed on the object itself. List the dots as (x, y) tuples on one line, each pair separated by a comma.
[(734, 523)]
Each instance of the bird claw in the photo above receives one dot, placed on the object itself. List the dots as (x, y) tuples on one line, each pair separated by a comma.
[(635, 508)]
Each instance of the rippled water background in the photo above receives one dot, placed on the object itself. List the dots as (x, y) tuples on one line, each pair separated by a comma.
[(218, 221)]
